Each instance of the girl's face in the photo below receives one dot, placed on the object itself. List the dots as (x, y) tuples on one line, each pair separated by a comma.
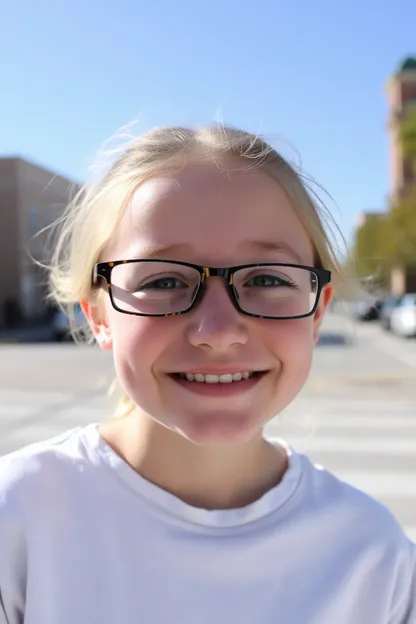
[(212, 218)]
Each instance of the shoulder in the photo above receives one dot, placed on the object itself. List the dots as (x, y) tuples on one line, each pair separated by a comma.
[(31, 482), (363, 529), (350, 509), (35, 470)]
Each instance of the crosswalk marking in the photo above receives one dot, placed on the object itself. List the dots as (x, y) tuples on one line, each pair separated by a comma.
[(390, 485), (27, 397), (365, 433), (14, 411), (351, 405), (380, 421), (313, 443)]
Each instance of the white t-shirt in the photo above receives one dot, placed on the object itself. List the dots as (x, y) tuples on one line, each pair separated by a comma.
[(85, 540)]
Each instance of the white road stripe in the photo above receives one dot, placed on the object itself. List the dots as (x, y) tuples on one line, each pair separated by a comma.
[(356, 406), (22, 397), (14, 411), (382, 421), (390, 485), (385, 446)]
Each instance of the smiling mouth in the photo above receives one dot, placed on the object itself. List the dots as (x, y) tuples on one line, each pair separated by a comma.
[(226, 378)]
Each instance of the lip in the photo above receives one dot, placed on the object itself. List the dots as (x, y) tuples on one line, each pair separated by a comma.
[(231, 370), (219, 390)]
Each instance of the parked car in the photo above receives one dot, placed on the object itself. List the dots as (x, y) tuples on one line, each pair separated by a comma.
[(389, 304), (403, 318), (61, 326), (367, 310)]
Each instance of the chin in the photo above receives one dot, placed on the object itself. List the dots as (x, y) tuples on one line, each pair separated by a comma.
[(220, 430)]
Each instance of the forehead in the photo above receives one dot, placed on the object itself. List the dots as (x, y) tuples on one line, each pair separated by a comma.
[(208, 214)]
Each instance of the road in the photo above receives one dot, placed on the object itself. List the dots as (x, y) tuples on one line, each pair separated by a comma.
[(355, 416)]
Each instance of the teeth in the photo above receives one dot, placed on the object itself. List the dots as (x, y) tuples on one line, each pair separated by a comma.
[(213, 379), (217, 378)]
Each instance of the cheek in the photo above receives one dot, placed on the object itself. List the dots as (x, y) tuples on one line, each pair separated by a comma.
[(139, 339), (138, 343), (292, 343)]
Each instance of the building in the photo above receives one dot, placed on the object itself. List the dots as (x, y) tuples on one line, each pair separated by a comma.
[(31, 198), (401, 91)]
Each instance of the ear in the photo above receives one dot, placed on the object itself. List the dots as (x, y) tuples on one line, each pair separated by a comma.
[(98, 324), (324, 301)]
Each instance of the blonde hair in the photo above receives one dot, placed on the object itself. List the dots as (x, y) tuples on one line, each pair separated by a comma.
[(90, 219)]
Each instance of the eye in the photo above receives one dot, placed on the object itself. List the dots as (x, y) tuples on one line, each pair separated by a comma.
[(163, 283), (269, 281)]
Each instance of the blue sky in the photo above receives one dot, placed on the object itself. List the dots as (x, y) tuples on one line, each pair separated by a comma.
[(311, 73)]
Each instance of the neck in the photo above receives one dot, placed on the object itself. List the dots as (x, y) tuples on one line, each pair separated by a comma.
[(224, 477)]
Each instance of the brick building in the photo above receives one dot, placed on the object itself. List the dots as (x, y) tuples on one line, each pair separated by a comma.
[(31, 198), (401, 91)]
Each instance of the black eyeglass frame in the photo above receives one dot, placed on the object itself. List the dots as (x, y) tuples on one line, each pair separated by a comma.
[(104, 269)]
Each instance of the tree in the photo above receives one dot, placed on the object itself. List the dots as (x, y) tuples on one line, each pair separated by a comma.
[(370, 252), (388, 240), (401, 228)]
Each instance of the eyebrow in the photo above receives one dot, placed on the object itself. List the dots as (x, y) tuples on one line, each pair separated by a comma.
[(273, 246), (158, 251)]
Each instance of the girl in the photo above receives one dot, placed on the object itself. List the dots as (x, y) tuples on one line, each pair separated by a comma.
[(201, 261)]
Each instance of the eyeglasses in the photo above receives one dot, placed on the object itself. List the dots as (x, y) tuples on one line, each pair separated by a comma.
[(167, 288)]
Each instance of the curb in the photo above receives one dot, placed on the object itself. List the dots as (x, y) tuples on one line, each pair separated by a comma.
[(8, 341)]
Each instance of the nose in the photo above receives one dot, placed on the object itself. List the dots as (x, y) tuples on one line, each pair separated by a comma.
[(215, 324)]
